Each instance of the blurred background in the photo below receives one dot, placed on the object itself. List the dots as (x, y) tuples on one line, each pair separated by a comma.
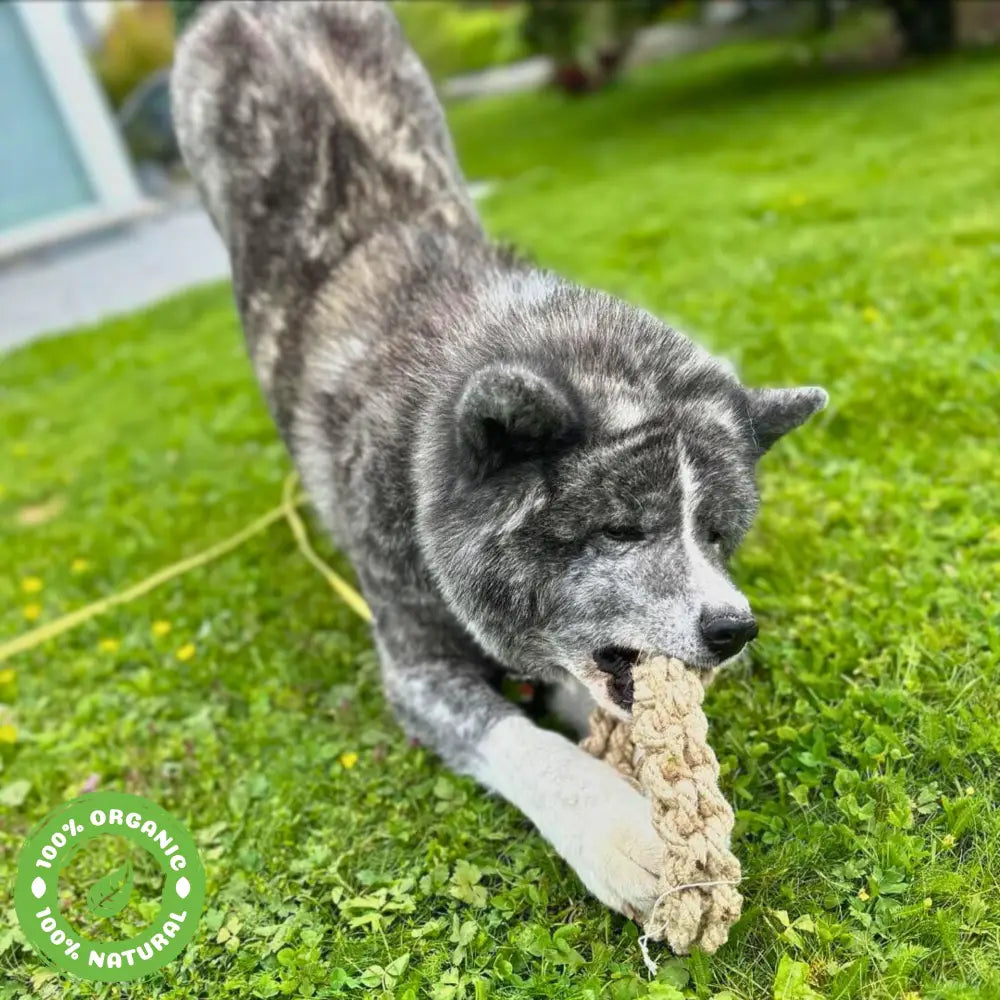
[(97, 216)]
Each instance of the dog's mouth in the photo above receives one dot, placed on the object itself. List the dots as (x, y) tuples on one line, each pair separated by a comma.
[(617, 662)]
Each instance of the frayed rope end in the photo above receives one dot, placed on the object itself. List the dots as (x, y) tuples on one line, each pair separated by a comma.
[(647, 959)]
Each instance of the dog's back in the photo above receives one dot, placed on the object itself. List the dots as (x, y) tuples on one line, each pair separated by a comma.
[(310, 127)]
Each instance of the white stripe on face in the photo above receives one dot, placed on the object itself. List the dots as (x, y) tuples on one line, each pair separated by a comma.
[(708, 586)]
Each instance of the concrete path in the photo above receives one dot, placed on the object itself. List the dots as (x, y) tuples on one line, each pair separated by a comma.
[(116, 272)]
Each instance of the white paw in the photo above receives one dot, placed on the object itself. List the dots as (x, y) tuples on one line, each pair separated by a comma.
[(596, 821), (609, 840)]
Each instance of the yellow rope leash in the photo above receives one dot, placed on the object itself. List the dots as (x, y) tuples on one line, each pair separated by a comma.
[(287, 510), (341, 587)]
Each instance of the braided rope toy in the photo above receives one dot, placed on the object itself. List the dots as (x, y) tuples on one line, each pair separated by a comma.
[(665, 752)]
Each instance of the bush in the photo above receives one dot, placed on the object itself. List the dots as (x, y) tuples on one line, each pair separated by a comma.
[(927, 27), (453, 37), (139, 41), (588, 40)]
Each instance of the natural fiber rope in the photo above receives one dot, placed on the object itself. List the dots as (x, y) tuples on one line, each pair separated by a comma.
[(666, 752), (342, 588)]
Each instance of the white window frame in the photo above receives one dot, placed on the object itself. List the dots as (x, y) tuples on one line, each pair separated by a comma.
[(91, 128)]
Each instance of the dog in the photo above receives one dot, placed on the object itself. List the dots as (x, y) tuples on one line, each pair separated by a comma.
[(531, 478)]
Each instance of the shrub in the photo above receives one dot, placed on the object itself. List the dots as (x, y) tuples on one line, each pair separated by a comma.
[(454, 37), (588, 40), (927, 27), (139, 40)]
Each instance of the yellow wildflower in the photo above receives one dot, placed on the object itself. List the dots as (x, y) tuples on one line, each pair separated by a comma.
[(8, 733), (928, 902), (348, 759), (186, 652), (31, 585), (160, 629), (109, 645), (796, 200), (7, 676), (32, 611), (870, 314), (948, 840), (863, 895), (969, 790), (79, 566)]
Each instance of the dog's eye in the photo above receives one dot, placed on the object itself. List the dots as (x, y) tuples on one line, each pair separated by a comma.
[(715, 537), (623, 533)]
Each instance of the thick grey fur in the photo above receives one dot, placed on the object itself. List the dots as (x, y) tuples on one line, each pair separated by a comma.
[(523, 471)]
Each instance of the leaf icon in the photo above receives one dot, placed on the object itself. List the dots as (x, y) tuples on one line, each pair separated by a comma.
[(110, 895)]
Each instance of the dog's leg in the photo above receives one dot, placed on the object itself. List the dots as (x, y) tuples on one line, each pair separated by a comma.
[(597, 822), (587, 811), (572, 704)]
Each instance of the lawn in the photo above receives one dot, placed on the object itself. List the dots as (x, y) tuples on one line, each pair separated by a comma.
[(833, 227)]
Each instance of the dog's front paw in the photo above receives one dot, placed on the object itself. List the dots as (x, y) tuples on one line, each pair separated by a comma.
[(614, 848), (598, 822)]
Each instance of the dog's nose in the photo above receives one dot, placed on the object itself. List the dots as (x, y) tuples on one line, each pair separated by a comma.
[(726, 635)]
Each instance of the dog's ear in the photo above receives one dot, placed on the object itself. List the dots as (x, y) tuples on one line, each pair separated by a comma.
[(775, 412), (509, 413)]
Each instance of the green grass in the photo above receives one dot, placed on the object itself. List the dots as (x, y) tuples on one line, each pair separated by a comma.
[(839, 228)]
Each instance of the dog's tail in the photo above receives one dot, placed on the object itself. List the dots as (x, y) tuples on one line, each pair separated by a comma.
[(307, 127)]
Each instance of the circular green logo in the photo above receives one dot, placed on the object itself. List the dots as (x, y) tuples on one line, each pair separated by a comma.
[(50, 918)]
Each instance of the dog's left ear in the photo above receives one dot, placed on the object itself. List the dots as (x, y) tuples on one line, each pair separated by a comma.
[(775, 412), (510, 412)]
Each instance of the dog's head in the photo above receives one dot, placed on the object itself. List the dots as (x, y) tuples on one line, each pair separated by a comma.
[(581, 502)]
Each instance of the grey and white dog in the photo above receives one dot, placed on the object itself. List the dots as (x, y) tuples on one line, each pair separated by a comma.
[(531, 478)]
